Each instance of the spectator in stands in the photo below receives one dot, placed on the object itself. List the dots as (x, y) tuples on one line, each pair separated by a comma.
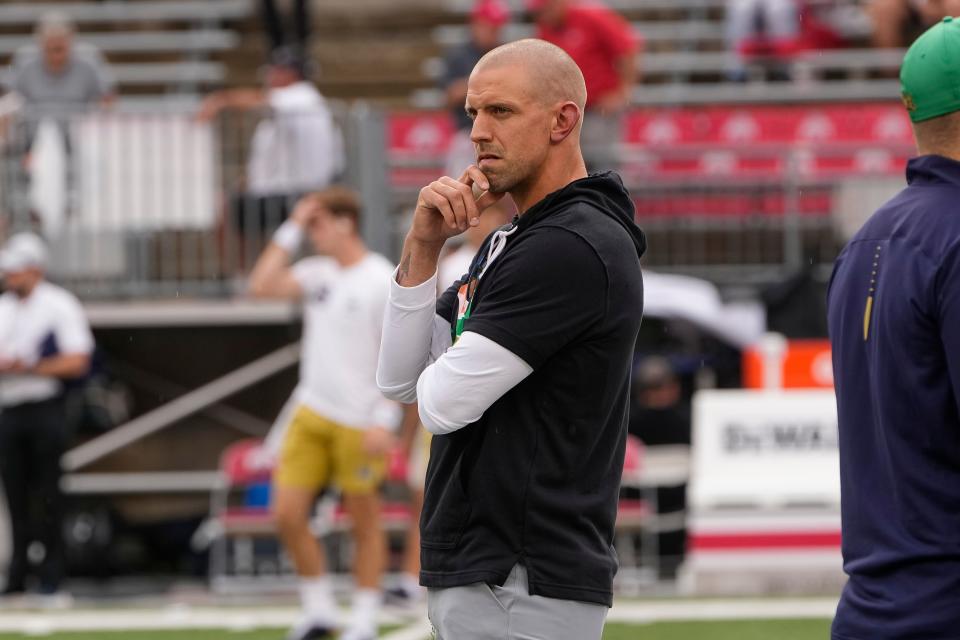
[(56, 74), (342, 427), (44, 339), (604, 46), (897, 23), (51, 79), (486, 24), (297, 148), (658, 416), (765, 30)]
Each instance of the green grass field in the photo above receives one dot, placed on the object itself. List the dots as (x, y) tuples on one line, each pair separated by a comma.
[(726, 630)]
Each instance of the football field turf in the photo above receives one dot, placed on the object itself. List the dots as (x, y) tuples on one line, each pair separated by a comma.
[(700, 630)]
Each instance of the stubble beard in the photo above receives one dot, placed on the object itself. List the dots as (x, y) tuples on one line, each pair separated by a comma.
[(502, 181)]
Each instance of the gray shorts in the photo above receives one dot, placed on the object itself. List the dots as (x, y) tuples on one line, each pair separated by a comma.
[(488, 612)]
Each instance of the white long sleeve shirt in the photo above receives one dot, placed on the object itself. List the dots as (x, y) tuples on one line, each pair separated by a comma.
[(453, 384)]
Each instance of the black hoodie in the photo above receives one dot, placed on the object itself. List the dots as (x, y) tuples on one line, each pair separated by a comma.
[(536, 479)]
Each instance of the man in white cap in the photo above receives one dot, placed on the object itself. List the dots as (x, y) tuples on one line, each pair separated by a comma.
[(44, 340)]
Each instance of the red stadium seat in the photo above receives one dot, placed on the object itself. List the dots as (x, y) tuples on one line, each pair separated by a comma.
[(245, 462), (726, 151), (245, 467)]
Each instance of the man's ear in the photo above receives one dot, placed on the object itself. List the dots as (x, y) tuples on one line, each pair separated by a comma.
[(565, 122)]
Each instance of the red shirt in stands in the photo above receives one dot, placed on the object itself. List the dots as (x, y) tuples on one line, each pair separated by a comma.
[(596, 38)]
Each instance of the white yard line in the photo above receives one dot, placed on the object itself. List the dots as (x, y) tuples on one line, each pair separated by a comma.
[(175, 617), (38, 623), (729, 609), (169, 618)]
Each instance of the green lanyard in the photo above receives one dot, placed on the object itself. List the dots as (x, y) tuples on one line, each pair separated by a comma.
[(468, 289)]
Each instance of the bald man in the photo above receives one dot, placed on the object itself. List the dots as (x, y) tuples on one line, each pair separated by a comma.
[(521, 369)]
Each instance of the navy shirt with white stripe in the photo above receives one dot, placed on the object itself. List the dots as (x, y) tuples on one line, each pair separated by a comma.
[(894, 318)]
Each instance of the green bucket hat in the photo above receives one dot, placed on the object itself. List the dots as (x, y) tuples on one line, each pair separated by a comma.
[(930, 74)]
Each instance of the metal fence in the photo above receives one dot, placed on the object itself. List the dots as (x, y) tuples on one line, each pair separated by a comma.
[(152, 203), (728, 210), (755, 214)]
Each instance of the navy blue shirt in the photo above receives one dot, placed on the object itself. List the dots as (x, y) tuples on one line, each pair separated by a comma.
[(894, 318)]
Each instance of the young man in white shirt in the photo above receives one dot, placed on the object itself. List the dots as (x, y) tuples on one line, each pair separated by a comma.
[(44, 339), (343, 426)]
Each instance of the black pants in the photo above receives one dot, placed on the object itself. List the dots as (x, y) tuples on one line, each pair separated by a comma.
[(257, 217), (279, 35), (32, 439)]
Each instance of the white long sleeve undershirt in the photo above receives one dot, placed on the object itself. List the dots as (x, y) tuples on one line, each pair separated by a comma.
[(453, 385)]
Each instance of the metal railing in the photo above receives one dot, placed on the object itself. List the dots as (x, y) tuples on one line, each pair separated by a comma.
[(150, 202), (757, 213), (731, 212)]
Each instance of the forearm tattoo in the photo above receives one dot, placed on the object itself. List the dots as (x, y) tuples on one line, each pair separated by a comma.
[(404, 270)]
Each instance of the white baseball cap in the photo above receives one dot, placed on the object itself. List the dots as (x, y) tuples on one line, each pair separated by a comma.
[(23, 251)]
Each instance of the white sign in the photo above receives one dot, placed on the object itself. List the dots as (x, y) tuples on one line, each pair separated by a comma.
[(764, 449)]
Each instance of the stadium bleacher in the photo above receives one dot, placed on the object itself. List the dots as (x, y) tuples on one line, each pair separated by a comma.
[(178, 57), (27, 13), (706, 179), (391, 53), (142, 41), (685, 45)]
